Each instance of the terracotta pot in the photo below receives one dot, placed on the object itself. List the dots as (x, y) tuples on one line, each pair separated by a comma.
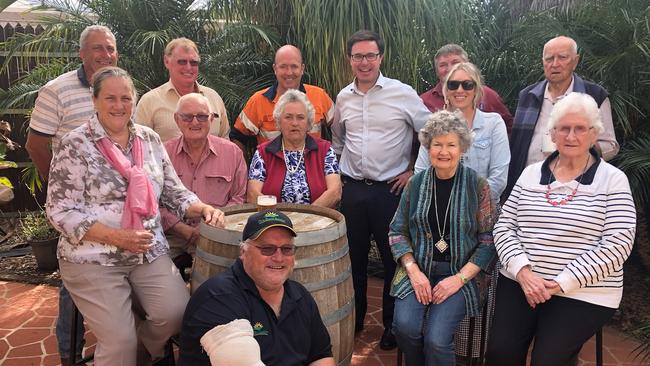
[(45, 253)]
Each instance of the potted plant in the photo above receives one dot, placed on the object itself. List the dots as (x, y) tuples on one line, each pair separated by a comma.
[(42, 237)]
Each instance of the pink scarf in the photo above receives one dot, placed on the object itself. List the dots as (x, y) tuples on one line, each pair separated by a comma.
[(140, 198)]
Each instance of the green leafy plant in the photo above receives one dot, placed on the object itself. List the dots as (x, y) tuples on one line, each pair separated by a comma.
[(35, 226)]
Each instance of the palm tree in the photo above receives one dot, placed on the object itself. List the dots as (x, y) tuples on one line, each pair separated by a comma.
[(237, 57)]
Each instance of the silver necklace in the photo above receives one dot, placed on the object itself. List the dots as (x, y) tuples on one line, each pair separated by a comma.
[(441, 245), (292, 170)]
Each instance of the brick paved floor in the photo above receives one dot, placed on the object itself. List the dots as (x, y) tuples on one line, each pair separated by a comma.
[(28, 314)]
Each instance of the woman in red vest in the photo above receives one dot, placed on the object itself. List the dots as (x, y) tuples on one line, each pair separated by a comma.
[(295, 167)]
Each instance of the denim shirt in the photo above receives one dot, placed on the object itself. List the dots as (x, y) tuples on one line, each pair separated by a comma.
[(489, 154)]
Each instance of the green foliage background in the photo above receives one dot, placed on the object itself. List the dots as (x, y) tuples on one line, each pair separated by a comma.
[(237, 39)]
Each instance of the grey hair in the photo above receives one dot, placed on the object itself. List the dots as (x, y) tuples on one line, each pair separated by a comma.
[(473, 73), (443, 123), (91, 29), (580, 103), (293, 96), (105, 73), (450, 49), (198, 97)]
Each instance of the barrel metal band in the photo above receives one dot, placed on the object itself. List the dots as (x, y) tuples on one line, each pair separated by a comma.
[(197, 279), (338, 314), (330, 282), (317, 261), (214, 259)]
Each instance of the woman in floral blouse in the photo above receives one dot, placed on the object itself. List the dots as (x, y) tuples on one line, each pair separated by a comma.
[(106, 181), (294, 166)]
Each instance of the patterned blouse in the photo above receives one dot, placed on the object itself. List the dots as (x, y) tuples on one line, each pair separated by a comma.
[(294, 187), (84, 189)]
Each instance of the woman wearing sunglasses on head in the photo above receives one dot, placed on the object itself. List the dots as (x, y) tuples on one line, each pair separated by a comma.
[(489, 154), (295, 167)]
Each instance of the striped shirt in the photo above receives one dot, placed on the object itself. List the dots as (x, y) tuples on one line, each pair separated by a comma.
[(581, 245), (63, 104)]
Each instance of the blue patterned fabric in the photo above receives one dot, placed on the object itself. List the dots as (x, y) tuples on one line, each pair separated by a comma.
[(294, 187)]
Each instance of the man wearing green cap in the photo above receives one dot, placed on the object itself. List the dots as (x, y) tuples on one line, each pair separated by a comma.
[(284, 317)]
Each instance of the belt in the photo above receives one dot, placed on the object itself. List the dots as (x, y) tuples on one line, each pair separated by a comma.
[(365, 181)]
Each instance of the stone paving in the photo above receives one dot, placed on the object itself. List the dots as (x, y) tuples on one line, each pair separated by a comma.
[(28, 314)]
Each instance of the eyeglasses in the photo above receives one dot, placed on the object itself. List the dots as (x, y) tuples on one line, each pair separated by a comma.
[(184, 62), (577, 130), (357, 57), (201, 117), (467, 84), (287, 250)]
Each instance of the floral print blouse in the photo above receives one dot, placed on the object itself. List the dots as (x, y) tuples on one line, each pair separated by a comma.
[(84, 188)]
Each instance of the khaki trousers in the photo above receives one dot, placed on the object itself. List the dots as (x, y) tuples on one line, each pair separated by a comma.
[(103, 296)]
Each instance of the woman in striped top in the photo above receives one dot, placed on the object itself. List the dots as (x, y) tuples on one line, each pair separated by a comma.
[(562, 238)]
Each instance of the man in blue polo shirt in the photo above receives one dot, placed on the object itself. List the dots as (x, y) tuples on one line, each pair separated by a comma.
[(284, 317)]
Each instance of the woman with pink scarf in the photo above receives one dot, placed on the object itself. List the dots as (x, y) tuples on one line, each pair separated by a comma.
[(107, 179)]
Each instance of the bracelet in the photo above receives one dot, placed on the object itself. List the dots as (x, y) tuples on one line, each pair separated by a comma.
[(462, 277), (408, 264)]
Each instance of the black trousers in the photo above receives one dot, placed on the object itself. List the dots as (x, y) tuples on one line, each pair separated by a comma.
[(559, 326), (368, 208)]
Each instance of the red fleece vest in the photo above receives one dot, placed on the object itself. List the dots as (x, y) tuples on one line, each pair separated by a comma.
[(273, 156)]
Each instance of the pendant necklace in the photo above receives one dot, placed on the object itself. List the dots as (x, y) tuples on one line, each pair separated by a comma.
[(567, 198), (441, 245), (292, 170)]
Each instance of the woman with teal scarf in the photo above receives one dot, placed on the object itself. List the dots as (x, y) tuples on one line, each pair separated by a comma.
[(441, 238)]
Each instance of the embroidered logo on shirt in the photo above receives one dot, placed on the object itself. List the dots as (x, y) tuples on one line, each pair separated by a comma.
[(258, 330)]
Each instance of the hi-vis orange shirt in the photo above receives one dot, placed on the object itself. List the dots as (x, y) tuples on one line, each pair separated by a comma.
[(257, 117)]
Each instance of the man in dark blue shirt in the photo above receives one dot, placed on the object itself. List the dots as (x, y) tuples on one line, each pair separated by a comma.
[(284, 317)]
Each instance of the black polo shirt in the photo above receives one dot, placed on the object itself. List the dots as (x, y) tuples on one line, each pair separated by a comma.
[(298, 337)]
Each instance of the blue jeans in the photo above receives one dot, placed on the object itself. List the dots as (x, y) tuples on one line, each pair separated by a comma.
[(425, 333), (64, 323)]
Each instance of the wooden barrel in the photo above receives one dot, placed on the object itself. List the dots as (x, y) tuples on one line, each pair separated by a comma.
[(322, 263)]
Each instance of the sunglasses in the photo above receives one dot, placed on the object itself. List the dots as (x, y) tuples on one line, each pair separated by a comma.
[(467, 84), (268, 250), (184, 62), (201, 117)]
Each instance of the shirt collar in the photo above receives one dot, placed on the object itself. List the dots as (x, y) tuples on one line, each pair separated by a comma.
[(547, 93), (97, 131), (81, 74), (211, 146), (272, 91), (437, 90), (169, 86), (381, 81), (275, 146), (585, 179)]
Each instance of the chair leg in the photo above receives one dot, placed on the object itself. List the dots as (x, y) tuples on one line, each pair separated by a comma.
[(599, 347), (73, 336), (469, 360), (483, 344), (399, 357)]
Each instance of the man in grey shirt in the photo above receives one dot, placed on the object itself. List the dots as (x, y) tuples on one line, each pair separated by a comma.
[(373, 127)]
